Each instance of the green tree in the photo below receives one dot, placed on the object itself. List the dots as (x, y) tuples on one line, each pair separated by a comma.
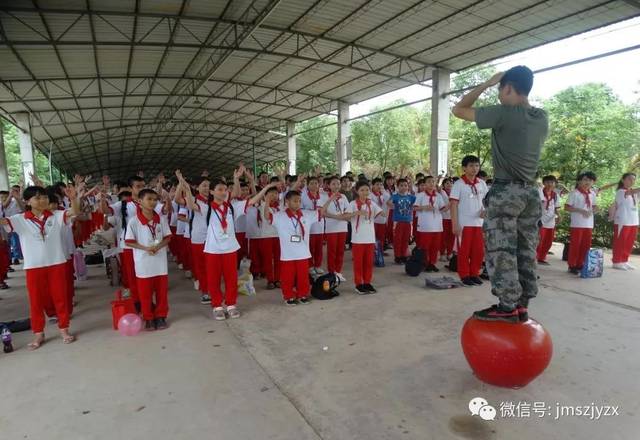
[(316, 148)]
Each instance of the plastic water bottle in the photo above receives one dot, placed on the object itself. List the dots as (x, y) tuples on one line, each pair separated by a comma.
[(6, 340)]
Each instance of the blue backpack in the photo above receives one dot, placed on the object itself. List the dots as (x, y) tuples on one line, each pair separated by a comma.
[(593, 264), (378, 255)]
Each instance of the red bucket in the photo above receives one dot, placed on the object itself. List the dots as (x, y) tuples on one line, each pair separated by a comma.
[(121, 307)]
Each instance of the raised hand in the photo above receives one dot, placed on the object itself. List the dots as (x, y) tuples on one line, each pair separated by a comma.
[(495, 79), (179, 176)]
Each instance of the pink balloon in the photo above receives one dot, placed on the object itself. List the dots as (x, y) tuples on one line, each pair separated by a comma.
[(129, 324)]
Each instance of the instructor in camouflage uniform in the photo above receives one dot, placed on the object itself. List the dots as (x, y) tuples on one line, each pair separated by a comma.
[(512, 205)]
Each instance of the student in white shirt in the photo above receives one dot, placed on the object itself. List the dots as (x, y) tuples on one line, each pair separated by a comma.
[(337, 213), (467, 216), (380, 198), (41, 238), (389, 190), (446, 244), (243, 191), (550, 205), (294, 226), (268, 245), (313, 200), (148, 234), (625, 228), (363, 238), (582, 205), (428, 206)]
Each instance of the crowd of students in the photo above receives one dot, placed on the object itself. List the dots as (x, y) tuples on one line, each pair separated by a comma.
[(282, 224)]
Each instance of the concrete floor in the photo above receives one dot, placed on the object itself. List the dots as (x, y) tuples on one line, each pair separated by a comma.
[(393, 368)]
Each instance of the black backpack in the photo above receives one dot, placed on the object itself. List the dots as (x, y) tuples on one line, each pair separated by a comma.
[(415, 264), (324, 287)]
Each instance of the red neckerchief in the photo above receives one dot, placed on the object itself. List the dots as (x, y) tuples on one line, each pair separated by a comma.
[(432, 197), (222, 209), (549, 199), (587, 198), (314, 198), (273, 205), (151, 224), (447, 191), (39, 223), (471, 184), (359, 204), (202, 198), (379, 196), (629, 193), (336, 202), (297, 215)]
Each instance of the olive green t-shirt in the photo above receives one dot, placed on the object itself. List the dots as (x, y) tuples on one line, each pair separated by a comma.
[(517, 135)]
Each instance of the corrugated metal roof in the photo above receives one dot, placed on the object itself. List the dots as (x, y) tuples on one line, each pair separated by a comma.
[(161, 84)]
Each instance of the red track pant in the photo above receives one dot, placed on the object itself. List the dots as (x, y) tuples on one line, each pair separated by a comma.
[(546, 240), (254, 256), (222, 266), (446, 244), (146, 288), (269, 249), (5, 260), (414, 225), (579, 245), (362, 262), (47, 285), (294, 279), (429, 242), (199, 266), (389, 229), (316, 242), (187, 261), (335, 251), (173, 244), (128, 273), (381, 230), (623, 242), (470, 252), (401, 237), (70, 287), (244, 245)]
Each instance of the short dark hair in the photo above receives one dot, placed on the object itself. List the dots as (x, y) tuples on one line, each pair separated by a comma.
[(216, 182), (146, 191), (403, 180), (482, 173), (312, 178), (123, 194), (520, 78), (448, 179), (421, 181), (549, 178), (32, 191), (291, 194), (588, 174), (362, 183), (53, 195), (332, 178), (469, 159), (376, 180), (198, 180), (4, 193), (343, 178), (274, 179), (132, 179)]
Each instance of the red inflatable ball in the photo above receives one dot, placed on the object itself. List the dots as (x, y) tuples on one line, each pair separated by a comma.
[(505, 354)]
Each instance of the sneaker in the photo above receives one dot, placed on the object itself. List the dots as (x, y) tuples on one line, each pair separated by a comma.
[(467, 281), (574, 270), (476, 280), (205, 299), (341, 277), (304, 300), (313, 271), (630, 266), (53, 319), (16, 261), (149, 325), (277, 283), (361, 289), (11, 269), (432, 268), (218, 314), (319, 271), (4, 286), (126, 293), (550, 253), (620, 266), (497, 313), (188, 274), (543, 263), (523, 313), (180, 266), (291, 302), (484, 276), (233, 312), (370, 288), (196, 285), (271, 286), (161, 323)]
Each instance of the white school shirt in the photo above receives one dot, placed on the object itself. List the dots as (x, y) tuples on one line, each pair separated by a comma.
[(548, 218), (578, 200), (307, 204), (241, 221), (626, 209), (469, 202), (12, 209), (198, 229), (146, 233), (251, 217), (67, 238), (363, 231), (337, 207), (288, 227), (116, 222), (265, 227), (381, 202), (430, 221), (446, 215), (173, 220), (183, 226), (132, 209), (219, 242), (36, 251)]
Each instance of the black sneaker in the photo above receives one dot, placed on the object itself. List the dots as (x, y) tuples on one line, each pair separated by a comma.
[(292, 302), (523, 313), (574, 270), (4, 286), (485, 276), (149, 325), (304, 300), (432, 268), (543, 263), (161, 323), (271, 286), (11, 269), (370, 288), (16, 261), (138, 306), (205, 299), (497, 313), (361, 289), (476, 280), (467, 281)]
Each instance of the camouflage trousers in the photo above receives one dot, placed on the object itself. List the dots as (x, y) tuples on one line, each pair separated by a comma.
[(510, 230)]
